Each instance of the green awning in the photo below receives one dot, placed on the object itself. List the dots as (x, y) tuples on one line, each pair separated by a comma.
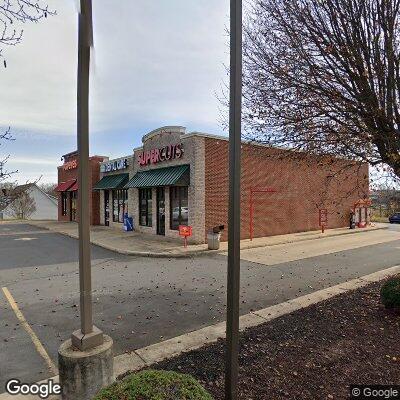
[(169, 176), (111, 182)]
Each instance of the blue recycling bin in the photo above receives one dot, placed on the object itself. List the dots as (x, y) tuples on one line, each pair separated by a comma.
[(128, 223)]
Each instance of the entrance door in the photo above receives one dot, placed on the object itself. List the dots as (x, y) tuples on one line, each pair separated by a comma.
[(106, 208), (74, 200), (160, 211)]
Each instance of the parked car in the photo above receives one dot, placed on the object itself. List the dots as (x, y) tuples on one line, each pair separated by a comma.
[(395, 218), (184, 212)]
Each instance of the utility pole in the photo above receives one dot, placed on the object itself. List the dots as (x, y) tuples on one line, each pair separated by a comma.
[(86, 362), (233, 286), (88, 336)]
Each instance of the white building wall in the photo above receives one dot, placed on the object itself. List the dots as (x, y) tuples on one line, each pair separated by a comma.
[(46, 207)]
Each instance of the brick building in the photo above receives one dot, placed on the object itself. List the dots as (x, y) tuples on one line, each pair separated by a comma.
[(178, 178), (113, 196), (67, 188), (288, 189)]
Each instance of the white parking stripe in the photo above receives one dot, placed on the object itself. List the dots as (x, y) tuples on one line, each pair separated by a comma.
[(38, 345)]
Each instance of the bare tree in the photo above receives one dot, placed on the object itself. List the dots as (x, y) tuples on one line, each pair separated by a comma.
[(23, 206), (48, 188), (13, 13), (324, 77), (6, 190), (386, 199), (4, 173)]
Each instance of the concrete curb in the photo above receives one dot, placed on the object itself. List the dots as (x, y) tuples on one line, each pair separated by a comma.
[(187, 253), (144, 357), (191, 253), (131, 252)]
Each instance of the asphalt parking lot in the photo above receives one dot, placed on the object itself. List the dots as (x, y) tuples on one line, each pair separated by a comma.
[(24, 246), (140, 301)]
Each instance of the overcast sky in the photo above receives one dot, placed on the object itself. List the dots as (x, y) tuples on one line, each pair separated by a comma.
[(155, 63)]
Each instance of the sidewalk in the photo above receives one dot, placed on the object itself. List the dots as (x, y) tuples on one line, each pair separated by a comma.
[(129, 243), (139, 244)]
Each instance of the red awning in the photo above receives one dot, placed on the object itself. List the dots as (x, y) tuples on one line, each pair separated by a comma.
[(64, 186), (73, 187)]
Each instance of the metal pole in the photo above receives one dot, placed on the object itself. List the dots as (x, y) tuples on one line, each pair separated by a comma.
[(88, 336), (85, 279), (251, 213), (233, 287)]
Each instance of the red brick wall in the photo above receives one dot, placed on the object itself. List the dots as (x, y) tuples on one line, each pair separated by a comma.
[(63, 176), (303, 186), (94, 199)]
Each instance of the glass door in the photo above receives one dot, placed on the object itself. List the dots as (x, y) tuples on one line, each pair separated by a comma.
[(160, 211), (74, 200)]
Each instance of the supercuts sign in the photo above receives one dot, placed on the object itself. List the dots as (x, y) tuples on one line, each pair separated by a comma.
[(114, 165), (155, 156)]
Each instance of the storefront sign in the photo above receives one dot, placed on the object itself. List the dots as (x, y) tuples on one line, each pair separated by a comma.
[(70, 165), (114, 165), (155, 156)]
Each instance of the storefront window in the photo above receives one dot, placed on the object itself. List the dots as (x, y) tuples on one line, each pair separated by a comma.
[(120, 204), (145, 207), (179, 206), (64, 199)]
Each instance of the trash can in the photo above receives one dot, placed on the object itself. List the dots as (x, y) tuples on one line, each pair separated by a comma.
[(213, 240)]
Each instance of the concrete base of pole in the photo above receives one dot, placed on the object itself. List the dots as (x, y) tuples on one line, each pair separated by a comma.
[(87, 341), (84, 373)]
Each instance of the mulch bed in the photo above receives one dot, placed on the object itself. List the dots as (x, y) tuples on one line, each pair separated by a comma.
[(314, 353)]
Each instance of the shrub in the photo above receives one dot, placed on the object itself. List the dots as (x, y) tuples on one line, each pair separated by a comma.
[(155, 385), (390, 293)]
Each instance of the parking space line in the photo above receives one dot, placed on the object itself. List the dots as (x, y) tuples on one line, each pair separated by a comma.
[(38, 345), (13, 233)]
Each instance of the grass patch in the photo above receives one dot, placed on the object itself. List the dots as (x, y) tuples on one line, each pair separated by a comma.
[(155, 385)]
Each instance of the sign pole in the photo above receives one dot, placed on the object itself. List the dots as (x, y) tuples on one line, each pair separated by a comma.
[(88, 336), (233, 286), (323, 218), (251, 214)]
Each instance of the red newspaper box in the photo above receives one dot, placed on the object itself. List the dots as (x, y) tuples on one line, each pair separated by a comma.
[(185, 231)]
